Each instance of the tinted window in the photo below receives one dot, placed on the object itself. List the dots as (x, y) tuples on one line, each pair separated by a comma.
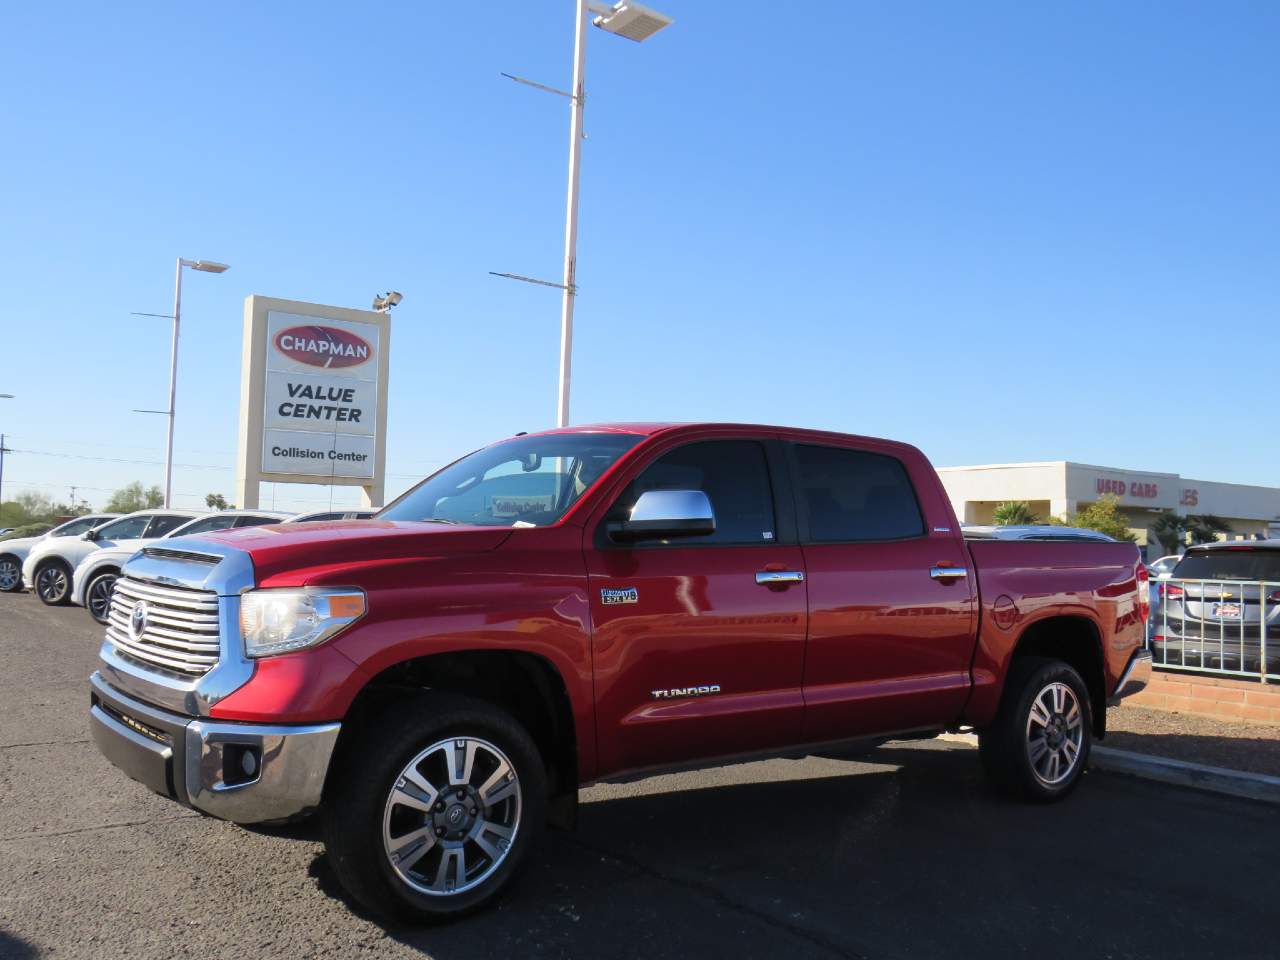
[(855, 495), (126, 528), (1249, 565), (162, 523), (732, 473), (255, 521), (207, 524)]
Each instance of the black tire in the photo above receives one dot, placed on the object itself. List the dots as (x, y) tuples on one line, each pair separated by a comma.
[(1019, 752), (359, 811), (97, 594), (10, 573), (52, 582)]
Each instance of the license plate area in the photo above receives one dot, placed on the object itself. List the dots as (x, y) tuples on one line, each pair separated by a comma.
[(1225, 611)]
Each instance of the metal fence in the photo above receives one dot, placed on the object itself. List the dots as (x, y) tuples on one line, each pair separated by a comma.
[(1221, 627)]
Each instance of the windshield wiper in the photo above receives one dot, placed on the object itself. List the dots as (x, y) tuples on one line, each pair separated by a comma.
[(438, 520)]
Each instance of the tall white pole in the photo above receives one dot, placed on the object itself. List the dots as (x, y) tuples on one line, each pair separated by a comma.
[(571, 214), (173, 383)]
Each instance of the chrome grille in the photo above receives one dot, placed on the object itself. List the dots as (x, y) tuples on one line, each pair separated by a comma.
[(181, 628)]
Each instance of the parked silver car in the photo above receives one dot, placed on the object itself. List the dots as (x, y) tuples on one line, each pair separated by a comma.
[(1032, 531), (1216, 604)]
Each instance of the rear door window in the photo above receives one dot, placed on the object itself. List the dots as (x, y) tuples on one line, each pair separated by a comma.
[(255, 521), (162, 523), (853, 495)]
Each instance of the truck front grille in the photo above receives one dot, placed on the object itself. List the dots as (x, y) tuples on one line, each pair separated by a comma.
[(172, 628)]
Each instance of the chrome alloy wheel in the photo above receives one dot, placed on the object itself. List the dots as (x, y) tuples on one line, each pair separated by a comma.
[(51, 583), (452, 816), (99, 598), (1055, 732), (10, 575)]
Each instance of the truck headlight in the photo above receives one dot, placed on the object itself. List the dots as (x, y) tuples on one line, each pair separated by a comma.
[(279, 620)]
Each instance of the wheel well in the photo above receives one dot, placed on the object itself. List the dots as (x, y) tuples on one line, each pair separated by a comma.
[(525, 685), (115, 571), (1074, 640)]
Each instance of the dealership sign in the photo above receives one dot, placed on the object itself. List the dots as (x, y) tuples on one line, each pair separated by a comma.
[(313, 395)]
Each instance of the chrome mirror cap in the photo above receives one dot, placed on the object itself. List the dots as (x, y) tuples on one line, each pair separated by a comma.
[(667, 514)]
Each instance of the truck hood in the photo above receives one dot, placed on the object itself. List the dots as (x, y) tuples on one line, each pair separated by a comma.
[(285, 547)]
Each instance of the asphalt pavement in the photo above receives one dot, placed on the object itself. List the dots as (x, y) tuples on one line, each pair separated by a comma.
[(906, 854)]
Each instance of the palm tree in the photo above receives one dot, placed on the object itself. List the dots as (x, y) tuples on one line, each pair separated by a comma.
[(1170, 529), (1206, 527), (1014, 513)]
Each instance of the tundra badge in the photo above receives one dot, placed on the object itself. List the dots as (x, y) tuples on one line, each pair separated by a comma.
[(704, 690)]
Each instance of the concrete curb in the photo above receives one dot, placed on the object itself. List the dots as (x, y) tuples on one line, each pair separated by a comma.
[(1234, 783)]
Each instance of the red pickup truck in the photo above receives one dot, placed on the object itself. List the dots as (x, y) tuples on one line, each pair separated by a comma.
[(591, 604)]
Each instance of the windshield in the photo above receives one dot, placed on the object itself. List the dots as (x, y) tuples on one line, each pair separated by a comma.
[(1244, 564), (526, 481)]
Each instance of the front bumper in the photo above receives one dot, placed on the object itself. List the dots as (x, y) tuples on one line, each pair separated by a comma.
[(1135, 678), (244, 772)]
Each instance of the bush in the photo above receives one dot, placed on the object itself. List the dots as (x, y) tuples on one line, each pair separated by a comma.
[(30, 530)]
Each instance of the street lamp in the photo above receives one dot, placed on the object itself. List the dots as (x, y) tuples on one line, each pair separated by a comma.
[(204, 266), (3, 451), (635, 22)]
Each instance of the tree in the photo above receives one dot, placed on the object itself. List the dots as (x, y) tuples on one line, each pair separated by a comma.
[(1103, 516), (134, 497), (216, 501), (1014, 513), (1174, 531), (1205, 527), (1170, 530)]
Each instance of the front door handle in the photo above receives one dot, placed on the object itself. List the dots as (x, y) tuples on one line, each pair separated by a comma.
[(771, 578), (948, 573)]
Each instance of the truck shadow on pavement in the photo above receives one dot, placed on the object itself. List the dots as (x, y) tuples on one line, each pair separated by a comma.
[(830, 858), (15, 948)]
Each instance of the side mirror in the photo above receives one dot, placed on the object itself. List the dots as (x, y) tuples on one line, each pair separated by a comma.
[(89, 535), (667, 515)]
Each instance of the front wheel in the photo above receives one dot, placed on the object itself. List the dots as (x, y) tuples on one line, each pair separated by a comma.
[(1038, 745), (432, 807), (10, 574), (97, 595), (53, 583)]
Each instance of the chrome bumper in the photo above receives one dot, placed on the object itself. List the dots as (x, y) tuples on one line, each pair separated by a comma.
[(1135, 678), (244, 772)]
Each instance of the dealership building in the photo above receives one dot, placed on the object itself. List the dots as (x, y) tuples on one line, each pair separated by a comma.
[(1058, 487)]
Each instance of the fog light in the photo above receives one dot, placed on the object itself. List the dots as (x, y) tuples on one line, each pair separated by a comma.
[(241, 764), (249, 763)]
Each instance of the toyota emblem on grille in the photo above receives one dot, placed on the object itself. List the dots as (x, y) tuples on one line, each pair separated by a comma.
[(138, 620)]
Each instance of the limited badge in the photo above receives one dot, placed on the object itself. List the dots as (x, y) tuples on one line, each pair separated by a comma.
[(628, 595)]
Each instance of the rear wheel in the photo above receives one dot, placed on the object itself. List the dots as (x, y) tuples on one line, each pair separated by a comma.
[(97, 595), (53, 582), (10, 573), (432, 807), (1039, 744)]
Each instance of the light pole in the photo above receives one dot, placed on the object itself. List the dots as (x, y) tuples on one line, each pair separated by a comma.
[(3, 451), (205, 266), (635, 22)]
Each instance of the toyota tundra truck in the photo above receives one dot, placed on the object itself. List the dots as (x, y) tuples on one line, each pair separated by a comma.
[(591, 604)]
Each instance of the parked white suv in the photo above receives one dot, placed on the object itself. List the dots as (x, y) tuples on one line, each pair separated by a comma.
[(94, 578), (13, 552), (48, 567)]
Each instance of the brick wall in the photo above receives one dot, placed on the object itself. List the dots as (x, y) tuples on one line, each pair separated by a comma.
[(1211, 696)]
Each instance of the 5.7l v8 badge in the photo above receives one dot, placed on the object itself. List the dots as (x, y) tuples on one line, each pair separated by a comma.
[(628, 595)]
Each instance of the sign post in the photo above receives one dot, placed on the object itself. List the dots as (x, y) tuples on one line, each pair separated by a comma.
[(313, 397)]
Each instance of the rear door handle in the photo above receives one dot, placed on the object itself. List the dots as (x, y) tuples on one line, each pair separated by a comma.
[(948, 573), (769, 578)]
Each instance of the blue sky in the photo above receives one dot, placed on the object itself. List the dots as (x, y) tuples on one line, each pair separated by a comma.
[(1001, 231)]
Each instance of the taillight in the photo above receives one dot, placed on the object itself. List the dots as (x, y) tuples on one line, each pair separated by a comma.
[(1144, 593), (1171, 591), (1273, 596)]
